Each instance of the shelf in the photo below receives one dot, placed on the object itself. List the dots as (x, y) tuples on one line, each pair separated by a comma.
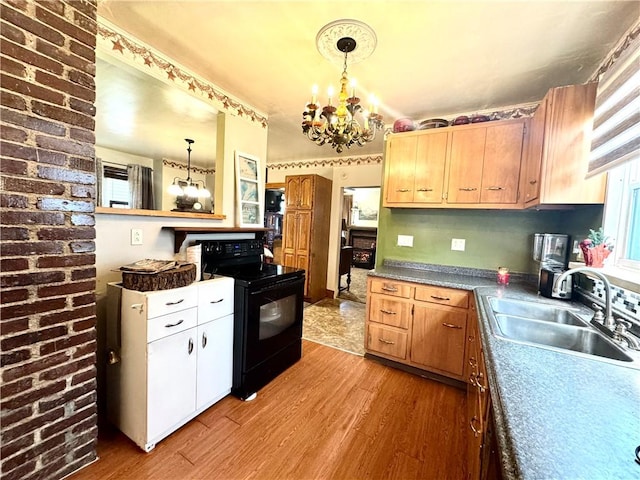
[(180, 233), (159, 213)]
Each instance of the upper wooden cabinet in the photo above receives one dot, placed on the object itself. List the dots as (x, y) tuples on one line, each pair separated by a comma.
[(559, 146), (469, 166), (299, 191)]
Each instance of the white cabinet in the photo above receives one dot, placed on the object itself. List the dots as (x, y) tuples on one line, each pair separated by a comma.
[(171, 356)]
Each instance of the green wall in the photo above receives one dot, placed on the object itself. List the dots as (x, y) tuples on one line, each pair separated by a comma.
[(493, 237)]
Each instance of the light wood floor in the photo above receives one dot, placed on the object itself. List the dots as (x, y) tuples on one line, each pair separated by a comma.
[(333, 415)]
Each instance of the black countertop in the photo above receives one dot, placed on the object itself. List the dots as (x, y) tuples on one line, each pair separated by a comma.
[(558, 415)]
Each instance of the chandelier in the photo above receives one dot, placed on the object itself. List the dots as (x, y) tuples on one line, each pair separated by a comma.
[(347, 123), (188, 187)]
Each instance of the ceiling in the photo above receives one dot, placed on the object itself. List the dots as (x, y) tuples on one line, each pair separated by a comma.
[(434, 59)]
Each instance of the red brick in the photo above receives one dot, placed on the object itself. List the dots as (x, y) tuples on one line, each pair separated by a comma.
[(13, 233), (63, 25), (83, 191), (13, 296), (65, 289), (67, 342), (52, 158), (66, 316), (85, 164), (10, 166), (33, 337), (83, 273), (86, 376), (78, 219), (29, 89), (55, 7), (83, 78), (12, 134), (16, 356), (33, 395), (62, 55), (61, 425), (66, 261), (63, 371), (11, 448), (18, 311), (32, 278), (36, 365), (28, 185), (12, 33), (62, 114), (12, 100), (67, 233), (30, 57), (82, 247), (62, 85), (16, 150), (32, 424), (13, 326), (30, 25), (84, 52), (23, 472), (83, 135), (87, 299), (87, 8), (13, 201), (32, 218), (60, 174), (86, 21), (13, 68), (86, 349), (10, 417), (14, 388), (84, 324), (82, 107), (12, 249), (34, 123)]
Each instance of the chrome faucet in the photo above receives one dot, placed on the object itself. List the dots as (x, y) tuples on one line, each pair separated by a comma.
[(608, 321), (621, 335)]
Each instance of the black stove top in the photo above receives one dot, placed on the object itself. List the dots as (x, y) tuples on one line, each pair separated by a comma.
[(259, 272)]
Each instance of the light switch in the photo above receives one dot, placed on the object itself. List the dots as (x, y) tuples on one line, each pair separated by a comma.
[(405, 240)]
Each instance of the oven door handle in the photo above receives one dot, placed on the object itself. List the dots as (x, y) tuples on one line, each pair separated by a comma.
[(279, 284)]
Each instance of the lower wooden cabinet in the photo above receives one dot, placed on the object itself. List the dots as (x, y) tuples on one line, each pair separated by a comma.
[(418, 325)]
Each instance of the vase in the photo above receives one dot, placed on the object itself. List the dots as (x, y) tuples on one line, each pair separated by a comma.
[(595, 256)]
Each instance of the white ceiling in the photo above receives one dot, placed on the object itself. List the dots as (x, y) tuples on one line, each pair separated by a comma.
[(433, 59)]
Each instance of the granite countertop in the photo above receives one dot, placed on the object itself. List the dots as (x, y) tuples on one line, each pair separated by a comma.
[(558, 415)]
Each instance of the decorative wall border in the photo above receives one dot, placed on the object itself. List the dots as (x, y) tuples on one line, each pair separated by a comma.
[(623, 44), (183, 166), (328, 162), (110, 39)]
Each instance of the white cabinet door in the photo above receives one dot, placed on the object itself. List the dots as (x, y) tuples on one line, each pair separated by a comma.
[(171, 381), (215, 360)]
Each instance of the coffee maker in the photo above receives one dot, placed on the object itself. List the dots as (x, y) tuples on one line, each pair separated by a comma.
[(550, 255)]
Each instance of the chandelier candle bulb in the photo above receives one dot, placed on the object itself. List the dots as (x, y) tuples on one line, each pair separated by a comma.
[(314, 95)]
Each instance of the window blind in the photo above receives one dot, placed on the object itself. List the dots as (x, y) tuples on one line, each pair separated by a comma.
[(616, 121)]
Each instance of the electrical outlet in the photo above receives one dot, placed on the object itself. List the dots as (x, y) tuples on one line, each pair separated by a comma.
[(457, 244), (405, 240), (136, 236)]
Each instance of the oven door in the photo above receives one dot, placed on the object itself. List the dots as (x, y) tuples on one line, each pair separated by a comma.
[(273, 320)]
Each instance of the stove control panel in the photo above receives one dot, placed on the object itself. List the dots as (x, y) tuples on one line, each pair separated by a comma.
[(225, 249)]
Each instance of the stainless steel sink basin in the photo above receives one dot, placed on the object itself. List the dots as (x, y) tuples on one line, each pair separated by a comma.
[(566, 337), (536, 311)]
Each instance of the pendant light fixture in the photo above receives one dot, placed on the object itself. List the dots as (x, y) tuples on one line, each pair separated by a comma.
[(188, 187)]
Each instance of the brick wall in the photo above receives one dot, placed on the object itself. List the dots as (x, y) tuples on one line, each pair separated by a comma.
[(47, 261)]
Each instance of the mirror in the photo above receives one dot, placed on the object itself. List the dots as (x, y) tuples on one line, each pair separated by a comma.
[(141, 120)]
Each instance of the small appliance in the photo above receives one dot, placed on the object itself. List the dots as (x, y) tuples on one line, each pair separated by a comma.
[(548, 278), (550, 256)]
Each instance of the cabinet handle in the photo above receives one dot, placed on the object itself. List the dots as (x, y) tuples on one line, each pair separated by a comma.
[(425, 189), (386, 342), (437, 297), (217, 301), (169, 325), (190, 348), (388, 312), (468, 189), (472, 380), (175, 303), (495, 188), (387, 288), (472, 361), (476, 431), (204, 339), (533, 182), (451, 325), (403, 190), (480, 386), (137, 306)]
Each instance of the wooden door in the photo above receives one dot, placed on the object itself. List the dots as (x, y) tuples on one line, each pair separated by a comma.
[(465, 169), (502, 160), (400, 171), (431, 154), (289, 238), (438, 338), (307, 183), (292, 191), (534, 155)]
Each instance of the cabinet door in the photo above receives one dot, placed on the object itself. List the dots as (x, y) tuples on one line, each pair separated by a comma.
[(390, 311), (292, 189), (215, 360), (303, 232), (438, 338), (307, 183), (465, 168), (289, 238), (401, 159), (502, 160), (534, 155), (171, 381), (431, 155)]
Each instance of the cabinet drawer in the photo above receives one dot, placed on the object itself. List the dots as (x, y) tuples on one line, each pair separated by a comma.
[(387, 340), (443, 296), (165, 325), (390, 287), (215, 299), (389, 311), (164, 302)]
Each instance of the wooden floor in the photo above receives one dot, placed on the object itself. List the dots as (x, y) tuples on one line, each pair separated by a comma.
[(333, 415)]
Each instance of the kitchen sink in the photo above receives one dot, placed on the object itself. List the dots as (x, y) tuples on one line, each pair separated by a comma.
[(537, 311), (580, 339)]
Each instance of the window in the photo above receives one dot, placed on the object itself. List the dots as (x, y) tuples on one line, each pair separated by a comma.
[(622, 215), (115, 187)]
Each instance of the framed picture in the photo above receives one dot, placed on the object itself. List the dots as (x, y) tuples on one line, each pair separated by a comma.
[(249, 198)]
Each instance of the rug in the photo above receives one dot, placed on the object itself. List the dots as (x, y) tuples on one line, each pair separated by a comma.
[(358, 288), (336, 323)]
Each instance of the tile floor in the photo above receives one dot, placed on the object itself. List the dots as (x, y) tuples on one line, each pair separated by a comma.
[(335, 323)]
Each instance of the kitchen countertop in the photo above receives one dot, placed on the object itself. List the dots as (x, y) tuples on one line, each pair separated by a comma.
[(558, 415)]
